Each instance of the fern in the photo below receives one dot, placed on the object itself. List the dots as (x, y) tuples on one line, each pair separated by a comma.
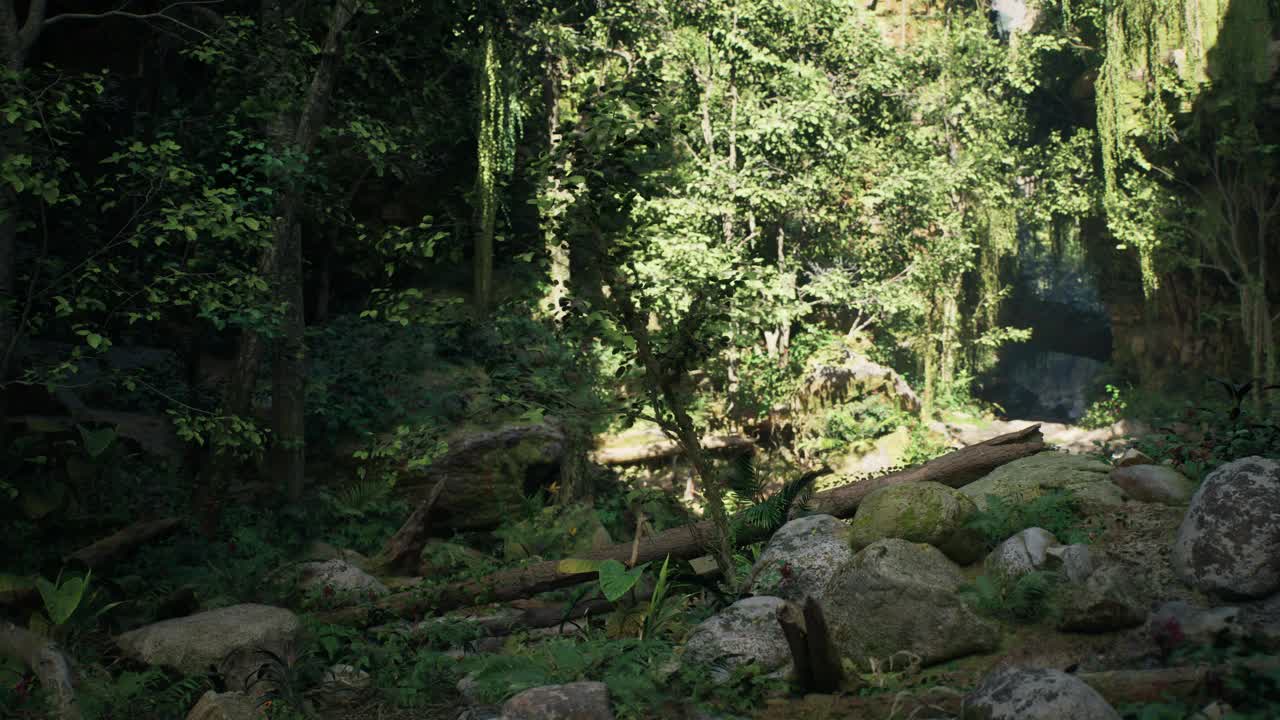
[(1057, 511), (1024, 598), (769, 514)]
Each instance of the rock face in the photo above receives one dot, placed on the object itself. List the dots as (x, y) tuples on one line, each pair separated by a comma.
[(1176, 622), (926, 512), (1075, 562), (1025, 552), (194, 643), (1229, 542), (1154, 483), (1035, 694), (574, 701), (1026, 479), (852, 375), (487, 473), (746, 631), (343, 582), (1110, 599), (815, 549), (900, 597), (225, 706)]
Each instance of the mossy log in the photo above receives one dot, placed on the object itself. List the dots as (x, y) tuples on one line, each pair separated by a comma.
[(684, 543)]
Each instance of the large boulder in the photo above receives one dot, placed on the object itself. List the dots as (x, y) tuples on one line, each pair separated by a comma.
[(901, 597), (1023, 553), (923, 512), (1229, 541), (1074, 562), (573, 701), (339, 582), (487, 474), (1035, 694), (745, 632), (1110, 599), (1026, 479), (233, 705), (803, 557), (222, 639), (835, 378), (1154, 484)]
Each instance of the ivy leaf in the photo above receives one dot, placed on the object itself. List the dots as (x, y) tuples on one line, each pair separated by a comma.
[(96, 442)]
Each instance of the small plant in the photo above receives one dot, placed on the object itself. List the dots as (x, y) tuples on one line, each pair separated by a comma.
[(1057, 511), (1107, 411), (1024, 598), (764, 513)]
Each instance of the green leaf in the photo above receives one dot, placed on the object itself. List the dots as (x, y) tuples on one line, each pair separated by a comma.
[(61, 600), (96, 442), (616, 580), (42, 499), (94, 340), (573, 566)]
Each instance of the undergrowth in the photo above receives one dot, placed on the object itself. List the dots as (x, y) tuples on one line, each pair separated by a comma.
[(1058, 511)]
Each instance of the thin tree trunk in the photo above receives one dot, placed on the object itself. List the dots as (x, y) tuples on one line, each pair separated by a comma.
[(486, 174), (288, 378)]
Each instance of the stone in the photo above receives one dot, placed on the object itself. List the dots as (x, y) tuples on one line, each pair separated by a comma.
[(1035, 694), (193, 644), (1110, 599), (1074, 562), (1154, 483), (1023, 553), (1028, 478), (900, 599), (926, 512), (1176, 622), (1132, 457), (341, 686), (339, 582), (1229, 542), (572, 701), (1260, 622), (745, 632), (320, 551), (233, 705), (814, 549)]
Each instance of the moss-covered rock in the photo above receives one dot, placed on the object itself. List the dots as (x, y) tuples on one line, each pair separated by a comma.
[(923, 512), (1027, 479)]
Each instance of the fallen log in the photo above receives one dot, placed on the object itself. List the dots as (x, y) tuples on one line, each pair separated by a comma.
[(683, 543), (108, 549), (664, 448), (402, 550), (47, 662)]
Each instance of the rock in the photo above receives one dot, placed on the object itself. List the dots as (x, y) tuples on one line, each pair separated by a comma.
[(339, 582), (814, 549), (1075, 562), (1110, 599), (1229, 542), (574, 701), (1028, 478), (1025, 552), (886, 451), (849, 376), (225, 706), (1154, 483), (1176, 622), (1035, 694), (901, 597), (965, 546), (926, 512), (1132, 457), (216, 638), (320, 551), (1260, 622), (745, 632), (341, 686)]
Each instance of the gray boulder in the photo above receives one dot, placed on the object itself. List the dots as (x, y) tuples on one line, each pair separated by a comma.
[(1075, 562), (1229, 541), (899, 599), (339, 582), (1133, 456), (1023, 553), (1035, 694), (223, 638), (233, 705), (1176, 622), (1154, 484), (572, 701), (1110, 599), (745, 632), (926, 512), (1028, 478), (814, 549)]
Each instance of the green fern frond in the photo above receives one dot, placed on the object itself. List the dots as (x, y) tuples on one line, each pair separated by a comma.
[(741, 477)]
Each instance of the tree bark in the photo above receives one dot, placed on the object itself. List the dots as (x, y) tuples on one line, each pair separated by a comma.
[(685, 543), (402, 550), (110, 548)]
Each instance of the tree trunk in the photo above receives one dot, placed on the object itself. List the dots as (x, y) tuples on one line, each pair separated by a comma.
[(486, 173), (288, 378), (955, 469)]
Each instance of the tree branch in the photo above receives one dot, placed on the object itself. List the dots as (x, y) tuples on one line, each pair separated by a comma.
[(159, 15)]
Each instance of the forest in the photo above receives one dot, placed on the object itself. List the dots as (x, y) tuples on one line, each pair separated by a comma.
[(577, 359)]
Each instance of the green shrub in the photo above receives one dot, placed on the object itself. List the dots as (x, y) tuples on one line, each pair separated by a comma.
[(1057, 511), (1025, 598)]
